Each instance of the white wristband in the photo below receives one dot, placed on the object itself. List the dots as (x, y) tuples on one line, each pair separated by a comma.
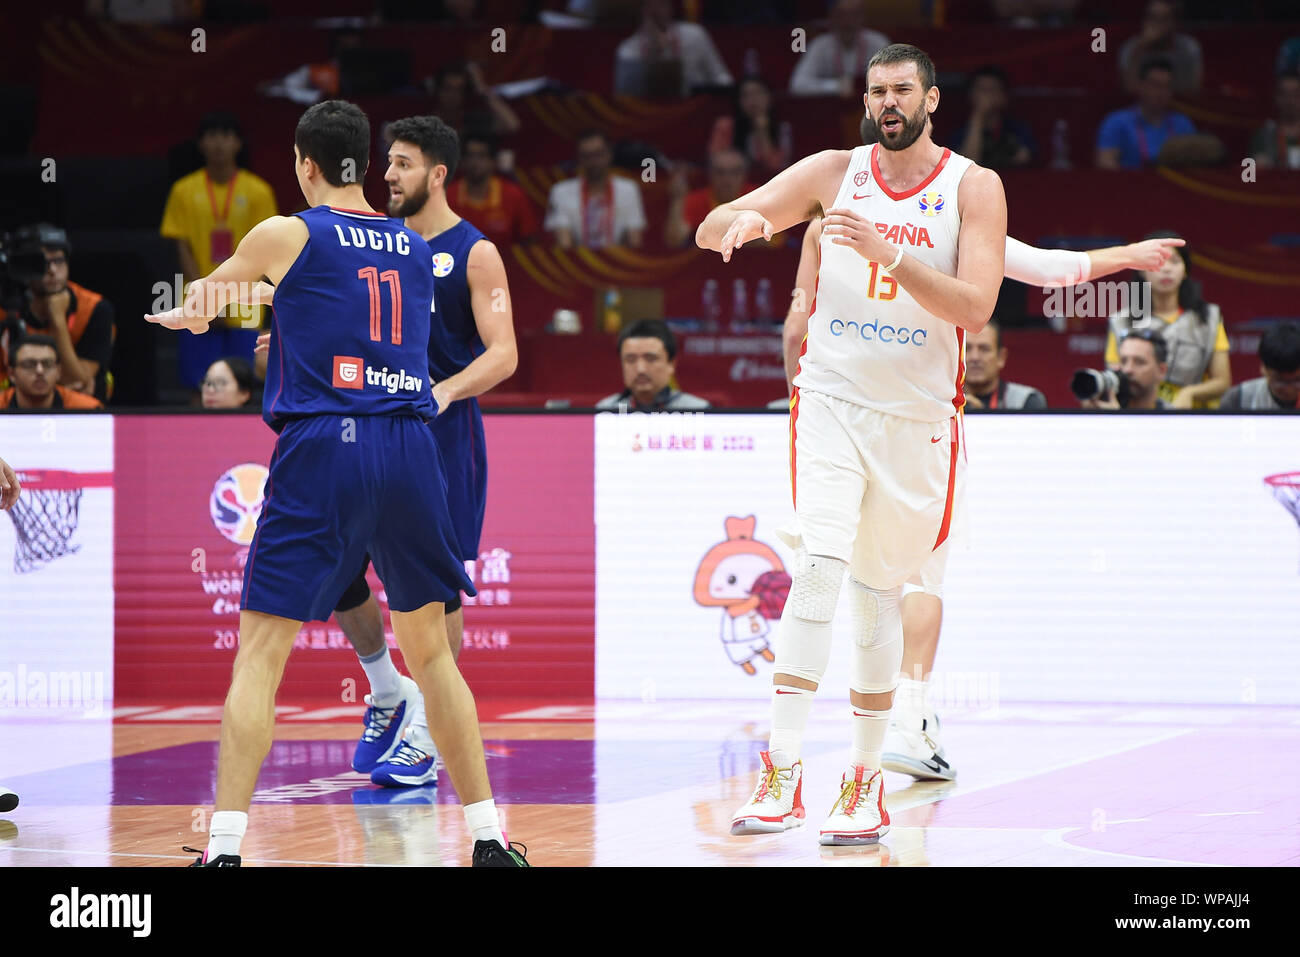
[(897, 259)]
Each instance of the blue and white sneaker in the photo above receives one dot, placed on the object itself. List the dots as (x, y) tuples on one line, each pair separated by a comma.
[(385, 727), (409, 767)]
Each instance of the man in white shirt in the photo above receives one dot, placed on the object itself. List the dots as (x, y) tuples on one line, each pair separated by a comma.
[(661, 42), (595, 208), (836, 62)]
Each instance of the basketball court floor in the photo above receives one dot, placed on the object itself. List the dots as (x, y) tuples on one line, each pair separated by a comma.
[(648, 784)]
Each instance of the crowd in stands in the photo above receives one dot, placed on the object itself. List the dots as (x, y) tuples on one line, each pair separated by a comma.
[(56, 348)]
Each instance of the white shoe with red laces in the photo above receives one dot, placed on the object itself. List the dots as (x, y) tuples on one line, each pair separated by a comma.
[(859, 815), (777, 802)]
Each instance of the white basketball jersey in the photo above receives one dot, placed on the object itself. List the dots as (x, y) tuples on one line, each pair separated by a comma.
[(868, 341)]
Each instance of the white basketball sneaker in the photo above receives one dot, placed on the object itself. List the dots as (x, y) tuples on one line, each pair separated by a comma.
[(912, 747), (777, 802), (859, 815)]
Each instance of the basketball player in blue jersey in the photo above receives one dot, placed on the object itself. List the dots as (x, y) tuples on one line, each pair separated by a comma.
[(355, 469), (471, 349)]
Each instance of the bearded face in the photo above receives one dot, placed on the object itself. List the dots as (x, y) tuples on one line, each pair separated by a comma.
[(892, 130)]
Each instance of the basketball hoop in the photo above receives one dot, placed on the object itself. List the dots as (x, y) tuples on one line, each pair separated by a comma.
[(1286, 489), (46, 514)]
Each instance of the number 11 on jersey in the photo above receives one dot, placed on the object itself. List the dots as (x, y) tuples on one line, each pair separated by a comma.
[(373, 278)]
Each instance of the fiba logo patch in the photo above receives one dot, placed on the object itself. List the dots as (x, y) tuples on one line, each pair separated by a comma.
[(443, 263), (931, 203), (860, 177), (236, 502)]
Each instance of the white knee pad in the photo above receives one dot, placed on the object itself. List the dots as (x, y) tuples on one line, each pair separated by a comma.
[(815, 586), (803, 641), (877, 639)]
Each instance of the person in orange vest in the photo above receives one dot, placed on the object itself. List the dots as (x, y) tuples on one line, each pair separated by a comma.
[(78, 320), (36, 380)]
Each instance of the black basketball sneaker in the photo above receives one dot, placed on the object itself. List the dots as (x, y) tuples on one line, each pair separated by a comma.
[(221, 860), (492, 854)]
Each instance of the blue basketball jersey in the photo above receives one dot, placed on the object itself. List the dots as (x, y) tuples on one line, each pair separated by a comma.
[(454, 342), (350, 322)]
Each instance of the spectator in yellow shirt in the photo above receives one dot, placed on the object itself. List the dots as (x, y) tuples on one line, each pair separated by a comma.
[(208, 214), (1199, 371)]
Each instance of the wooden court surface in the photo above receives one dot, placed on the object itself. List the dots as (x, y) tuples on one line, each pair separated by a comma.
[(637, 784)]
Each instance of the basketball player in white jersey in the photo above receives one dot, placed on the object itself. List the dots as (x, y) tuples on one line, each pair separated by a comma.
[(913, 744), (911, 260), (9, 489)]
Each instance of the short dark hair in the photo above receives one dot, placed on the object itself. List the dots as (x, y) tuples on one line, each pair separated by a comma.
[(242, 370), (35, 339), (993, 72), (1158, 343), (219, 121), (437, 141), (331, 133), (906, 53), (1150, 63), (649, 329), (1279, 347)]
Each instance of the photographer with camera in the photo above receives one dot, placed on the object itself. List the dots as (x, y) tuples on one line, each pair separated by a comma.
[(1143, 365), (40, 300)]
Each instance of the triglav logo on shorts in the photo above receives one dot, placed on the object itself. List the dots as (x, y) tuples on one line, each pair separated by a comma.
[(879, 332), (353, 373)]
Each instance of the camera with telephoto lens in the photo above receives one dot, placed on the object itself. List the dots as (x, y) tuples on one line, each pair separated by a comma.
[(1092, 384), (22, 257)]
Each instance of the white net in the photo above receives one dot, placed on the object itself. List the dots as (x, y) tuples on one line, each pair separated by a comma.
[(44, 520), (1286, 489)]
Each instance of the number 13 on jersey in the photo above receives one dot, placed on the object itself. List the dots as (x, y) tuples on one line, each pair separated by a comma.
[(888, 284)]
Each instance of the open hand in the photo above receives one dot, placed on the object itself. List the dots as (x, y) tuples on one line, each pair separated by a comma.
[(177, 319), (9, 486), (747, 226)]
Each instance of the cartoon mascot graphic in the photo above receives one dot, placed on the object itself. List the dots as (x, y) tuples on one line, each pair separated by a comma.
[(747, 580)]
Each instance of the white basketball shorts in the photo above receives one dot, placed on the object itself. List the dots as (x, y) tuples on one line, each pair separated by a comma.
[(874, 490)]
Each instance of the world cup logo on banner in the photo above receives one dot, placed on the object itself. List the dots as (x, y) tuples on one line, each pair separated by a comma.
[(236, 502)]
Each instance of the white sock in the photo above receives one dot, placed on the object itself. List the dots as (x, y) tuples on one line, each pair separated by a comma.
[(868, 735), (385, 681), (225, 833), (418, 733), (909, 697), (483, 821), (790, 709)]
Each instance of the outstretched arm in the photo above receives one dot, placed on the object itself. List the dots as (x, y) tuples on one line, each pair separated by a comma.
[(268, 250), (1064, 267), (788, 198)]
